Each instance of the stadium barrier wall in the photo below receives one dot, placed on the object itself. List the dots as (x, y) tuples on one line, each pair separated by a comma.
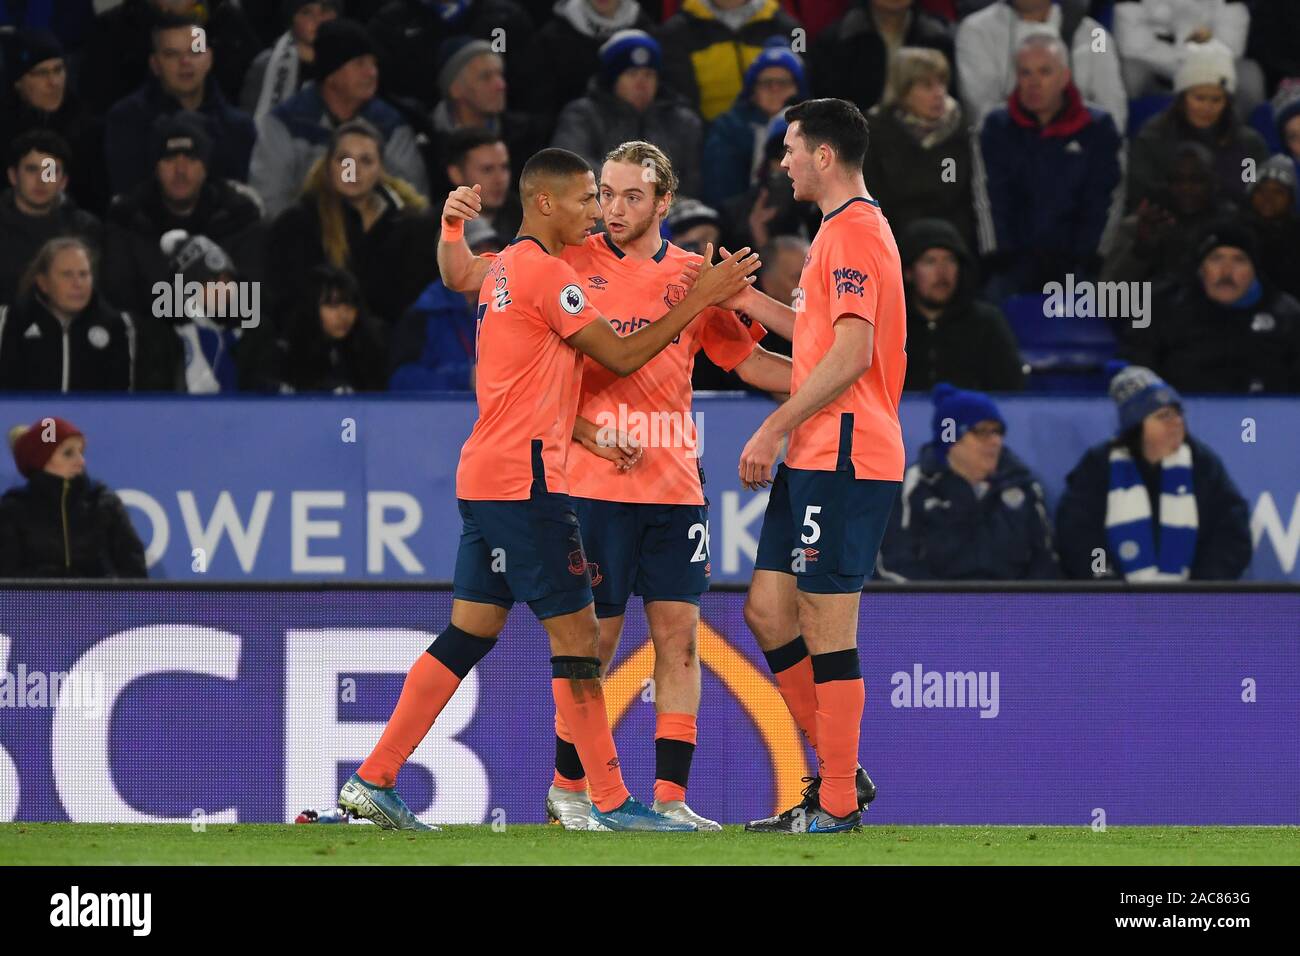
[(363, 488), (1036, 705)]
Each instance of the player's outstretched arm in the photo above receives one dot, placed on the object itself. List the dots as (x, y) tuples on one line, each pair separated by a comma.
[(769, 371), (758, 305), (847, 360), (623, 355), (460, 269)]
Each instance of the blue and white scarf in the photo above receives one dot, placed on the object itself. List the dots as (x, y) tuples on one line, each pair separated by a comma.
[(1128, 518)]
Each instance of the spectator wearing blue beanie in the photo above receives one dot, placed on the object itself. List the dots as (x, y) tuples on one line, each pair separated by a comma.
[(1152, 503), (625, 101), (1286, 113), (970, 509), (735, 144)]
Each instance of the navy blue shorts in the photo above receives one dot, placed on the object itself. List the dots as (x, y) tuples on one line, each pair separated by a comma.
[(527, 550), (660, 552), (824, 527)]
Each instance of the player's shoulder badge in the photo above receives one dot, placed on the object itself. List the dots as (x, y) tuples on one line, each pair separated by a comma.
[(674, 293), (572, 300)]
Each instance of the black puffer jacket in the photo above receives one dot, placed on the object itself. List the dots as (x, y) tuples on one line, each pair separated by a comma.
[(133, 262), (941, 530), (1197, 345), (55, 527)]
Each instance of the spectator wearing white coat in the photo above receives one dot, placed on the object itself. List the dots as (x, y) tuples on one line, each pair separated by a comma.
[(987, 42), (1153, 37)]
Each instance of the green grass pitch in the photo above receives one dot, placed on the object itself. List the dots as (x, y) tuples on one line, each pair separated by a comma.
[(334, 845)]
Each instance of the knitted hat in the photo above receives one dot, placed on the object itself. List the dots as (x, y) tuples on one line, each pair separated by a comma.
[(1138, 392), (456, 55), (964, 409), (181, 132), (28, 49), (1229, 233), (627, 49), (1279, 168), (1206, 63), (195, 258), (480, 232), (689, 213), (776, 53), (339, 42), (31, 453), (1286, 106)]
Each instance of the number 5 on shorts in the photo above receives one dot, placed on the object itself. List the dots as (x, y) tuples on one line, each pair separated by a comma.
[(809, 522)]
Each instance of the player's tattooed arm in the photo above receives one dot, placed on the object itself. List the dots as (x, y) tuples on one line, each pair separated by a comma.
[(460, 269), (845, 362), (768, 371), (623, 355), (608, 443), (756, 304)]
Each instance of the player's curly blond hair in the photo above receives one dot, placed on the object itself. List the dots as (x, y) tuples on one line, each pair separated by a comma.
[(654, 162)]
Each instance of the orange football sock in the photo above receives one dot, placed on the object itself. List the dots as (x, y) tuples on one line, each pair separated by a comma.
[(840, 704), (800, 695), (429, 685), (675, 736), (581, 702)]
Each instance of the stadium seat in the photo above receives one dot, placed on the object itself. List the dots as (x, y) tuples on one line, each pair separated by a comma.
[(1142, 108), (1261, 119), (1064, 354)]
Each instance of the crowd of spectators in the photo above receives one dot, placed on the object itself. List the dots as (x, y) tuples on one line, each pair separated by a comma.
[(302, 149)]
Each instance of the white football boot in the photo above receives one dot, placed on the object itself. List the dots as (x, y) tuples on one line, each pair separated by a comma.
[(570, 809), (679, 811)]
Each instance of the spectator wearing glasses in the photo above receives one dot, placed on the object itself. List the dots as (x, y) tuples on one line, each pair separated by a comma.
[(736, 139), (970, 509)]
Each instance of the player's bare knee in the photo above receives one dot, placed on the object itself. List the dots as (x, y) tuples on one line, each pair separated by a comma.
[(768, 623), (676, 648)]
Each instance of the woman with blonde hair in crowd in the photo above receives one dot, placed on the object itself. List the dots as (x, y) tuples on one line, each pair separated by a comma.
[(354, 215)]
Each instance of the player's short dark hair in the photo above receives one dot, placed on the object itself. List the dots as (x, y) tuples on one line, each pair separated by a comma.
[(462, 142), (39, 141), (550, 163), (161, 22), (838, 124)]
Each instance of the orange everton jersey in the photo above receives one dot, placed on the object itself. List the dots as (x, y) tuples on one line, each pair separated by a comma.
[(528, 376), (653, 404), (852, 268)]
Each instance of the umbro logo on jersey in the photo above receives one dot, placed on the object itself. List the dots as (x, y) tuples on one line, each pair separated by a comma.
[(598, 282), (33, 331), (1074, 147)]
